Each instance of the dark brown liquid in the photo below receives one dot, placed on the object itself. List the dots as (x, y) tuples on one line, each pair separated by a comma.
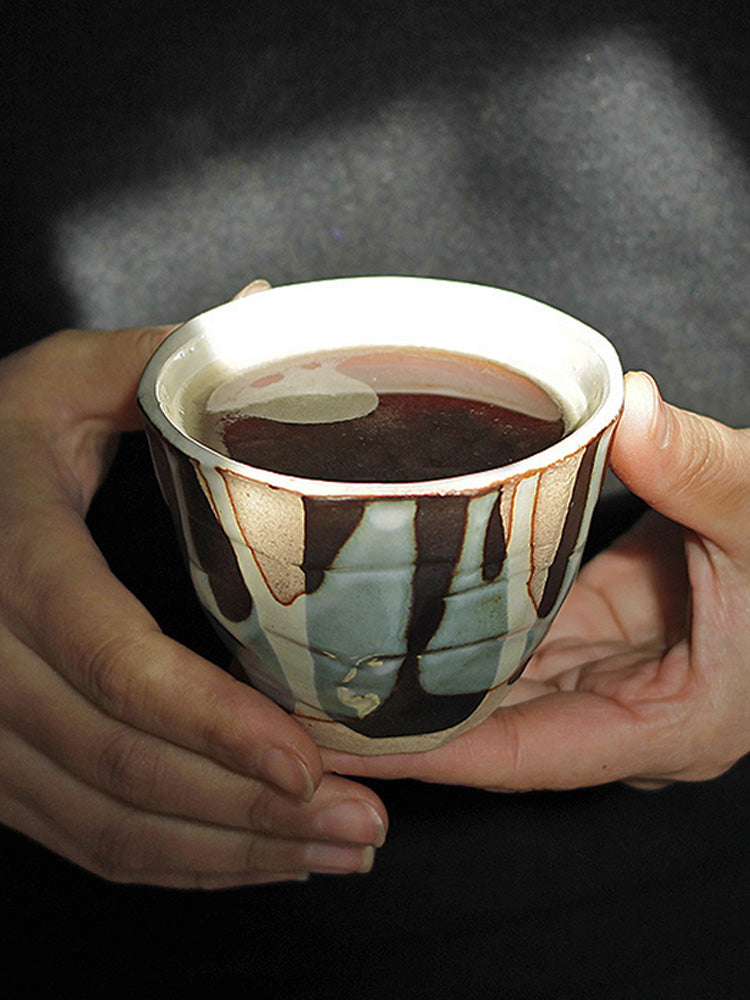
[(409, 437), (377, 415)]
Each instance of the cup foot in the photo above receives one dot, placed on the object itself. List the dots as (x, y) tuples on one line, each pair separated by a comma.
[(339, 736)]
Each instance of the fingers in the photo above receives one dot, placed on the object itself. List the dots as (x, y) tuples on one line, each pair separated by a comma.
[(119, 748), (73, 613), (103, 367), (136, 767), (140, 761), (640, 716), (690, 468), (125, 844), (546, 743), (258, 285), (61, 601), (62, 403), (133, 807), (556, 741)]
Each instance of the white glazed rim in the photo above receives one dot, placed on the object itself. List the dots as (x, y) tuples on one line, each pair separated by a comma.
[(179, 344)]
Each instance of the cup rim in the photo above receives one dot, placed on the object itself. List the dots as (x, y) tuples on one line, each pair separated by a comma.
[(177, 341)]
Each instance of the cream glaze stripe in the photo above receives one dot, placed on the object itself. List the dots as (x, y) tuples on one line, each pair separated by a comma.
[(272, 525), (551, 504), (520, 605), (276, 619)]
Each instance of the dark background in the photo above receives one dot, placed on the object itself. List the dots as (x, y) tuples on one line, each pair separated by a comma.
[(157, 156)]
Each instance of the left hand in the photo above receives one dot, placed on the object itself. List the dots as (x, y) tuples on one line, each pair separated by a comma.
[(121, 750), (644, 674)]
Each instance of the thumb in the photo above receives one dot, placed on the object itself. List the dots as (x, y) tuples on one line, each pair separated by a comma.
[(690, 468), (74, 391)]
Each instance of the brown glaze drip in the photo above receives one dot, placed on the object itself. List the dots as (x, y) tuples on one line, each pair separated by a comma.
[(517, 672), (440, 525), (571, 530), (328, 526), (158, 448), (214, 550), (493, 556), (210, 545), (409, 709)]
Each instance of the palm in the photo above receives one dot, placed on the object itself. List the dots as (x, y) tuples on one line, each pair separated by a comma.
[(611, 683), (626, 615)]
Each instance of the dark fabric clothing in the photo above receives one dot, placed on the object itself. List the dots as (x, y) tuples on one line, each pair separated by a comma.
[(594, 155)]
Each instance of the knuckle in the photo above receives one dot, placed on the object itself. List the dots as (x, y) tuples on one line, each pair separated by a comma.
[(120, 850), (216, 737), (109, 673), (129, 766), (706, 454), (222, 736), (268, 852), (52, 353), (262, 809), (714, 457), (256, 855), (701, 447)]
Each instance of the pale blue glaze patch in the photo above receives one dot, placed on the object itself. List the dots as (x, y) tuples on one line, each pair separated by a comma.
[(462, 670), (535, 636), (263, 664), (351, 691), (473, 615), (468, 571), (362, 608)]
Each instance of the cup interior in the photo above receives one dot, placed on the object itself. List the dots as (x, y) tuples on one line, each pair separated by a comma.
[(572, 362)]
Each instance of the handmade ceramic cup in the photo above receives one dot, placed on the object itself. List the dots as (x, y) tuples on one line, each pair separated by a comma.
[(386, 617)]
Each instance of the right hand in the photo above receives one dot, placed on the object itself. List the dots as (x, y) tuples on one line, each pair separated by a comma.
[(643, 675), (120, 749)]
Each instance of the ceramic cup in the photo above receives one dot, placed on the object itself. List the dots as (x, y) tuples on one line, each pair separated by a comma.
[(316, 586)]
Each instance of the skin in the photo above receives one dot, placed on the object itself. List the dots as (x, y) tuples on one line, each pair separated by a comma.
[(138, 760), (120, 749), (643, 676)]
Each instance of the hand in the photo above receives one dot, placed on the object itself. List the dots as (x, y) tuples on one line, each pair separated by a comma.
[(119, 749), (644, 675)]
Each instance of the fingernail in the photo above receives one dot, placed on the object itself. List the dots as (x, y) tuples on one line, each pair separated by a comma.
[(334, 859), (661, 422), (259, 285), (288, 772), (353, 821)]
